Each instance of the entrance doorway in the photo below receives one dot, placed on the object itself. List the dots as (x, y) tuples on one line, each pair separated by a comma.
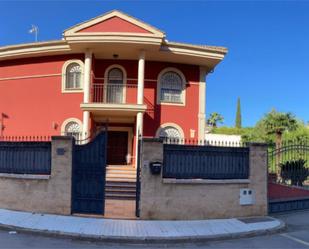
[(117, 147)]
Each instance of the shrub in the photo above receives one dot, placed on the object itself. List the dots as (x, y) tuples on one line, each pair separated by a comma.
[(295, 171)]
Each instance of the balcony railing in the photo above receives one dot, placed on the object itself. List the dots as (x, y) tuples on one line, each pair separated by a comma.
[(114, 93)]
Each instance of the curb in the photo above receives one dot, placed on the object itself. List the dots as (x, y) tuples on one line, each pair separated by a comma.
[(140, 240)]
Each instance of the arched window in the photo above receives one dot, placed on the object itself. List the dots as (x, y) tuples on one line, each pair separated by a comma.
[(73, 76), (72, 127), (115, 85), (169, 132), (171, 86)]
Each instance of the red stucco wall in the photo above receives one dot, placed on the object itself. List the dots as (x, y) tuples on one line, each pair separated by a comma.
[(34, 104)]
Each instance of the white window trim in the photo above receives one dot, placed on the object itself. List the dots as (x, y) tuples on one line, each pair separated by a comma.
[(183, 94), (65, 122), (124, 73), (176, 126), (64, 71)]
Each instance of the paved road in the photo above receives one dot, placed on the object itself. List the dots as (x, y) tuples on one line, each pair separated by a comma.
[(296, 236)]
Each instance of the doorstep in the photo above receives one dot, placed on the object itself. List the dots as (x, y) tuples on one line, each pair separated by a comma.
[(138, 230)]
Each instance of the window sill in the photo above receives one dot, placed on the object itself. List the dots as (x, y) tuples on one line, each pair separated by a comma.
[(171, 103), (204, 181), (24, 176), (72, 90)]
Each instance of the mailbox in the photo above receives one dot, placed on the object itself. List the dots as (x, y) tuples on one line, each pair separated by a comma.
[(155, 168)]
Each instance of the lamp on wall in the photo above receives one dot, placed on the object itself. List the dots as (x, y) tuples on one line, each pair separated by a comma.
[(54, 125)]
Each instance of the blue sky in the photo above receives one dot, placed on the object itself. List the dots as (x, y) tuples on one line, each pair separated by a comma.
[(268, 61)]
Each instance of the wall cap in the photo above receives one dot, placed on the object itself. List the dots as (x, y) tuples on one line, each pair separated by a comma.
[(204, 181), (258, 144), (62, 138), (24, 176), (150, 139)]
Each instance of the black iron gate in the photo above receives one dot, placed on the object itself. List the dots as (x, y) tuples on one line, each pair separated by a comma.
[(88, 176)]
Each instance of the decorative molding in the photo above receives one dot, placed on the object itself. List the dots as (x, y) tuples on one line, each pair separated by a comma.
[(115, 13), (30, 49), (30, 77)]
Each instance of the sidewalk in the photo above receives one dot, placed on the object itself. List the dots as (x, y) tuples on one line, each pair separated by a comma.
[(138, 230)]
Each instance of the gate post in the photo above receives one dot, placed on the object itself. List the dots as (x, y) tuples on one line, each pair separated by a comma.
[(61, 172)]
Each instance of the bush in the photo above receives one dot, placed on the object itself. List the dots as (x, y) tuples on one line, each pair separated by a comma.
[(295, 171)]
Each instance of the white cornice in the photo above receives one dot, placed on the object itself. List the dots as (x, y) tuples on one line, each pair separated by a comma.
[(30, 49)]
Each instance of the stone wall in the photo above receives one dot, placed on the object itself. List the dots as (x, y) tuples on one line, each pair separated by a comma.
[(46, 194), (174, 199)]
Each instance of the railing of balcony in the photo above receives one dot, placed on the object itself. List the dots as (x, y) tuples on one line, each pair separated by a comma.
[(114, 93)]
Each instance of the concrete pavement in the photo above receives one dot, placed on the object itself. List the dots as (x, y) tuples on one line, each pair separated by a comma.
[(138, 230), (296, 236)]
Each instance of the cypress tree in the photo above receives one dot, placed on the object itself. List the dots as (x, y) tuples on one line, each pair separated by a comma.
[(238, 115)]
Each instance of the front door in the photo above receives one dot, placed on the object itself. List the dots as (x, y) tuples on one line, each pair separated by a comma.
[(117, 147)]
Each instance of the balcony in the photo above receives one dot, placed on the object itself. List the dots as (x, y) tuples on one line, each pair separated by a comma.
[(116, 102), (114, 93)]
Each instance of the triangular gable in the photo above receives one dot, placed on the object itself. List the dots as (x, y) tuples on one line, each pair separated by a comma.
[(114, 22)]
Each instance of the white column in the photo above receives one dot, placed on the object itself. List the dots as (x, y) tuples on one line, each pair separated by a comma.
[(140, 79), (202, 104), (87, 85), (140, 99)]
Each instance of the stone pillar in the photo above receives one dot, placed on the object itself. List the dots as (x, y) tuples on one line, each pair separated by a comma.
[(258, 176), (152, 152), (202, 103), (87, 86)]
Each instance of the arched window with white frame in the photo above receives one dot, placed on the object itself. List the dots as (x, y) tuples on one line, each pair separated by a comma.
[(72, 127), (72, 76), (171, 131), (171, 87), (115, 85)]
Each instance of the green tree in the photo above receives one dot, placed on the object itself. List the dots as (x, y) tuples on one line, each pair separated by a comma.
[(214, 119), (276, 123), (238, 115)]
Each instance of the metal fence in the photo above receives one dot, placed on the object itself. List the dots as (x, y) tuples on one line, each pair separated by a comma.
[(25, 157), (288, 162), (183, 161)]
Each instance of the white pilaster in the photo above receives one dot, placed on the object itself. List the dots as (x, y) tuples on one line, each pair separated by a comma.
[(140, 99), (87, 85), (202, 104)]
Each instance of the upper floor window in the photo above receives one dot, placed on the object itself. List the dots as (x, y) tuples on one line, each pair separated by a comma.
[(72, 76), (115, 77), (171, 87)]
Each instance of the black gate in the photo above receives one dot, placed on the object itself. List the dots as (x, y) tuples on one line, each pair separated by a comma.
[(88, 176)]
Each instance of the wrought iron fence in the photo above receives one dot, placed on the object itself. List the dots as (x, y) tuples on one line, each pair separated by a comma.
[(199, 160), (288, 162), (25, 157), (114, 93), (25, 138)]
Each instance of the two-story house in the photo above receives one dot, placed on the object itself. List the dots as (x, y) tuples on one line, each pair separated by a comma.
[(114, 71)]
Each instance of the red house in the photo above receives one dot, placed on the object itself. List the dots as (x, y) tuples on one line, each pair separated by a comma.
[(112, 70)]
